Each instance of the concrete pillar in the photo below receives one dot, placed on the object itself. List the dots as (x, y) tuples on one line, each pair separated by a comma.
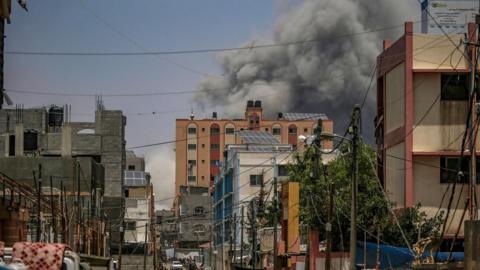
[(66, 141), (472, 245), (19, 139), (7, 144)]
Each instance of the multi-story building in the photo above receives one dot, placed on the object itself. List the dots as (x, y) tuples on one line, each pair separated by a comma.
[(166, 227), (422, 105), (248, 168), (201, 142), (138, 220), (194, 217), (85, 154)]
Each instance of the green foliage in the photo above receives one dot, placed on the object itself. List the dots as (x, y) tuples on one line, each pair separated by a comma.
[(373, 214)]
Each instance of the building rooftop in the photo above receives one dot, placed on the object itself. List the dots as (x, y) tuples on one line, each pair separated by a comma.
[(291, 116), (257, 137)]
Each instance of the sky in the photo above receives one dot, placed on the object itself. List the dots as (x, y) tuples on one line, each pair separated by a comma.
[(132, 26)]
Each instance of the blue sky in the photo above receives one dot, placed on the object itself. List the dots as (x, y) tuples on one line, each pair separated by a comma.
[(156, 25), (93, 25)]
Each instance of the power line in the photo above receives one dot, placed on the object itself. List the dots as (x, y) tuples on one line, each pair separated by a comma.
[(135, 43), (196, 51)]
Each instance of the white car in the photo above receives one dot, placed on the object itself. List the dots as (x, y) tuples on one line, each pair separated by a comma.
[(176, 265)]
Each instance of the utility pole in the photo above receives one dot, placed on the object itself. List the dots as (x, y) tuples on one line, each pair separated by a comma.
[(77, 232), (354, 130), (472, 45), (120, 245), (241, 236), (39, 202), (328, 229), (145, 247), (54, 221), (254, 235), (234, 236), (62, 208), (275, 212)]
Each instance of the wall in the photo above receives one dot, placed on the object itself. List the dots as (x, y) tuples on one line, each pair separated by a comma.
[(395, 98), (395, 173), (437, 52)]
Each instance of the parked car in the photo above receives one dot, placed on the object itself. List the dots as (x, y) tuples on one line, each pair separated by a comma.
[(176, 265)]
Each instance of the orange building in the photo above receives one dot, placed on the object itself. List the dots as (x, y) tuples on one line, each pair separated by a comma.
[(201, 142)]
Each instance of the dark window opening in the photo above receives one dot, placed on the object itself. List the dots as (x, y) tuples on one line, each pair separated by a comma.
[(199, 210), (229, 131), (266, 129), (11, 145), (449, 167), (30, 141), (215, 162), (131, 167), (126, 193), (454, 87), (130, 225), (256, 179), (292, 130), (192, 146), (282, 170), (214, 146), (214, 130), (305, 130), (192, 178), (192, 130), (276, 131)]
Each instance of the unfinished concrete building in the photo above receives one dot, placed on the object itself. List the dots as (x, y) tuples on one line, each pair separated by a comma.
[(86, 159)]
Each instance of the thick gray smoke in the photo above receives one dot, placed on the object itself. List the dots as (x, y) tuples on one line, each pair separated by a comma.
[(327, 76)]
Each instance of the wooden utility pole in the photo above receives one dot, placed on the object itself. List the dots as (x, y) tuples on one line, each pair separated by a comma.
[(77, 232), (355, 130), (145, 248), (234, 236), (241, 236), (275, 212), (39, 203), (54, 221), (62, 208), (328, 226), (254, 234), (472, 46)]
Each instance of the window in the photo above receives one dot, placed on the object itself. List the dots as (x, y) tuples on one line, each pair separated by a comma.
[(282, 170), (449, 169), (305, 130), (192, 146), (130, 225), (215, 162), (292, 130), (198, 210), (256, 179), (192, 163), (276, 131), (131, 167), (454, 86), (192, 130), (203, 161), (229, 131), (192, 178), (203, 145), (214, 146), (126, 193), (214, 130), (11, 145), (203, 129)]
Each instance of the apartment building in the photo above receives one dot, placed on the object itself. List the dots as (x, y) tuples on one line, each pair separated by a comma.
[(422, 105), (139, 202), (200, 143)]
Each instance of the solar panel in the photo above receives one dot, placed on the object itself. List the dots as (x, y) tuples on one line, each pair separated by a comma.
[(257, 137), (304, 116)]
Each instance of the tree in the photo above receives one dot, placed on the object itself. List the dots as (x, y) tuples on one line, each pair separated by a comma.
[(373, 214)]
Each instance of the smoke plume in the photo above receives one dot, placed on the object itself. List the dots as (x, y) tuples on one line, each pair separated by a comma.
[(328, 76)]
